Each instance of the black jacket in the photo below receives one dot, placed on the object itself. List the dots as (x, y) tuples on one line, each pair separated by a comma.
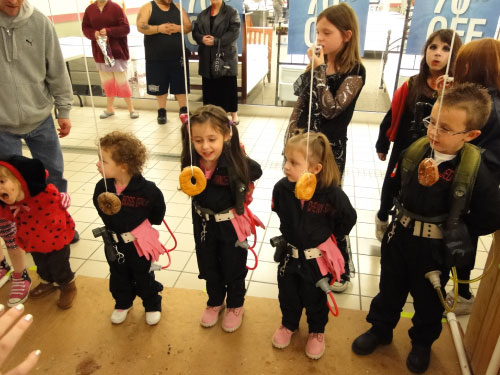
[(141, 200), (328, 212), (218, 196), (226, 29)]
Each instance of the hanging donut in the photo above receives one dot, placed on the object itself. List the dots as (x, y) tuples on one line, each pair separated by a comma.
[(428, 173), (186, 180), (305, 186), (109, 203)]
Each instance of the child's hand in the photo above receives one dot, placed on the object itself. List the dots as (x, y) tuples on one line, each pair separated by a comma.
[(441, 79), (314, 58), (11, 330), (381, 156)]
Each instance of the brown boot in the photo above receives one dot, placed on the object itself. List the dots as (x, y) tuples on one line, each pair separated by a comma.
[(42, 290), (68, 293)]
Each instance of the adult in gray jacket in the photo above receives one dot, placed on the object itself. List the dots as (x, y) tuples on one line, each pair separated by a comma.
[(33, 77), (217, 29)]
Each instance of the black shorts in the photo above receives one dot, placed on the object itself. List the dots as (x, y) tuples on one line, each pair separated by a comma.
[(160, 75)]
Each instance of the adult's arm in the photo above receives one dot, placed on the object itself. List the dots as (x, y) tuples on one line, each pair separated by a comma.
[(143, 19), (233, 31), (87, 28), (57, 77), (197, 34), (122, 28)]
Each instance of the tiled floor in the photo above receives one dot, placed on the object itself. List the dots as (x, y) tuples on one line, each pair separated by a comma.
[(262, 137)]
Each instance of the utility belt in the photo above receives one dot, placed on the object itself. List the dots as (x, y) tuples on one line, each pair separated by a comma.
[(426, 227), (111, 239), (206, 213), (122, 237), (311, 253)]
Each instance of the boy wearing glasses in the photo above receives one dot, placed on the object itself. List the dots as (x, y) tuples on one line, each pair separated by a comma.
[(418, 240)]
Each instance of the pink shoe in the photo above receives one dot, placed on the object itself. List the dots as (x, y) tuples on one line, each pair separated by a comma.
[(20, 288), (232, 319), (282, 337), (315, 346), (210, 316)]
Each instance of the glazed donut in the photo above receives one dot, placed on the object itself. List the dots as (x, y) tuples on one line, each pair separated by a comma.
[(185, 180), (428, 173), (109, 203), (305, 187)]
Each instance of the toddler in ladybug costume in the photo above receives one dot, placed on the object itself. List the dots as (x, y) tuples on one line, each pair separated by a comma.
[(44, 227)]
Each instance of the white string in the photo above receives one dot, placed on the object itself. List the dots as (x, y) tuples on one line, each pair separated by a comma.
[(313, 56), (99, 150), (186, 84), (445, 80)]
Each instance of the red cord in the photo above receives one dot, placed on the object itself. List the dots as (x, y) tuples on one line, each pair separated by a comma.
[(336, 312), (167, 251), (254, 232)]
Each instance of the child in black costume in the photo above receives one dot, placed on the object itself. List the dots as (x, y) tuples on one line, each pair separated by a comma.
[(307, 228), (417, 240), (142, 204), (221, 246), (411, 103)]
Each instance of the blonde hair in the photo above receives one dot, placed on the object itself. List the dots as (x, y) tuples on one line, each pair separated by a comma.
[(6, 173), (343, 17), (125, 148), (320, 152)]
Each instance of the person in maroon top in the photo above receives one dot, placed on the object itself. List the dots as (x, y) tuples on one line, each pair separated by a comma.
[(107, 19)]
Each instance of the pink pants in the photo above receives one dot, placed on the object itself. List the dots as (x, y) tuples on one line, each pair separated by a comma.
[(115, 84)]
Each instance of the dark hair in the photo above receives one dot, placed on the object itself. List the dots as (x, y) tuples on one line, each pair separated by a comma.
[(420, 82), (218, 119), (343, 17), (320, 152), (479, 62), (125, 148), (471, 98)]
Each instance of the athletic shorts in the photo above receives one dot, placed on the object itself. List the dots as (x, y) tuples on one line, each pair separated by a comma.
[(162, 75)]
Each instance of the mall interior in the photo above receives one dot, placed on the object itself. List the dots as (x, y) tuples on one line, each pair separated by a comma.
[(82, 340)]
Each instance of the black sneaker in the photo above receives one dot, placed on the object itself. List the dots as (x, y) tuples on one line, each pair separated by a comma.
[(418, 359), (162, 116), (76, 238), (368, 341)]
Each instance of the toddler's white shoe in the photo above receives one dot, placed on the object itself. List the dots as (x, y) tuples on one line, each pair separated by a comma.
[(118, 316), (153, 317)]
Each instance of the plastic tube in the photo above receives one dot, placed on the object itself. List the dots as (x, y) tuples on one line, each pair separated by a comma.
[(459, 346)]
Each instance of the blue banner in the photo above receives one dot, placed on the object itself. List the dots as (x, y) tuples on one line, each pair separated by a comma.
[(195, 7), (476, 19), (302, 23)]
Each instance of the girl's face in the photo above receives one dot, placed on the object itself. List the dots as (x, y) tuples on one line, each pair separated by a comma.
[(330, 38), (436, 56), (108, 168), (10, 191), (295, 164), (208, 142)]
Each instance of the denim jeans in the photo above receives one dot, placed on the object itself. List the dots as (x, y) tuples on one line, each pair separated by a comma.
[(44, 145)]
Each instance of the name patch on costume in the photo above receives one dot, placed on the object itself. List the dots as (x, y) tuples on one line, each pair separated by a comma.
[(318, 207), (447, 174), (220, 180), (131, 201)]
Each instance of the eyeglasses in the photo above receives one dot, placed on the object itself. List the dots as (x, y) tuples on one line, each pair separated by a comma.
[(440, 131)]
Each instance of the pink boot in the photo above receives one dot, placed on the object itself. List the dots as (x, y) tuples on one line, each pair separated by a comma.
[(315, 346), (282, 337), (232, 319), (210, 316)]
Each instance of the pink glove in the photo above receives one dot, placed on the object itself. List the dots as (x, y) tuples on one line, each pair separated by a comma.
[(147, 241), (243, 224), (332, 260)]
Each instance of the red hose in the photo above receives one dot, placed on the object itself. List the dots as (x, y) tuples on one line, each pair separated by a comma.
[(336, 312), (167, 251)]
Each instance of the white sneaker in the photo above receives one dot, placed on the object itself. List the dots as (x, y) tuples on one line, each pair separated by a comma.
[(464, 305), (118, 316), (380, 227), (153, 317)]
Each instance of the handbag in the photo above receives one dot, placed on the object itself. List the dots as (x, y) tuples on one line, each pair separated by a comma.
[(220, 68)]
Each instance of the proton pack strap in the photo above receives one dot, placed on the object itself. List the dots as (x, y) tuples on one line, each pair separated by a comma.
[(401, 211), (412, 156), (463, 181)]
